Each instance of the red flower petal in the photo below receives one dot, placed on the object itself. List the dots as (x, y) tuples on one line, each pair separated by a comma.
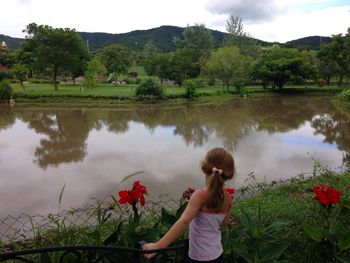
[(230, 190)]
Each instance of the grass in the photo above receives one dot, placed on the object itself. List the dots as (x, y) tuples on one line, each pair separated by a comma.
[(125, 94), (293, 202)]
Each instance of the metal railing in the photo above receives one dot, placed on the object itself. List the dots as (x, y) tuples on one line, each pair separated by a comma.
[(94, 254)]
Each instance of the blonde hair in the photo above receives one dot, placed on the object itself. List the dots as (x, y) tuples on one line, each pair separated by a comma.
[(218, 166)]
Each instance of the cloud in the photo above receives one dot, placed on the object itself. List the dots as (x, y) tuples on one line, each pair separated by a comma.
[(324, 22), (249, 10), (24, 2)]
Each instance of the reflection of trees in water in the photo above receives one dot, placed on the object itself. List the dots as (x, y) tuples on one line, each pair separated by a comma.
[(7, 117), (66, 133), (334, 126), (195, 123), (67, 130), (281, 114), (116, 121)]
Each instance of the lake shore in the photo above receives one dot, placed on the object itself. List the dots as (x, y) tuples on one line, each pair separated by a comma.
[(124, 95)]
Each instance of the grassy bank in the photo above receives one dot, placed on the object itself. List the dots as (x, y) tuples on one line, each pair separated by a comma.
[(293, 203), (125, 94)]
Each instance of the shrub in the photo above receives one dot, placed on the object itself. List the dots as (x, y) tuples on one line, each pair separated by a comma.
[(5, 75), (40, 81), (191, 88), (321, 82), (149, 88), (5, 91), (239, 83), (345, 95)]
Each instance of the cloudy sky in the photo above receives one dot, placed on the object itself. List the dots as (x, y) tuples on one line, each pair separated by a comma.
[(270, 20)]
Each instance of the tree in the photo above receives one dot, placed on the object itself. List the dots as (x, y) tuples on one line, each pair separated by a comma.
[(116, 58), (197, 44), (327, 66), (80, 67), (55, 49), (198, 39), (20, 71), (280, 65), (235, 27), (336, 56), (227, 64), (182, 66), (26, 58), (158, 64), (237, 36), (94, 69)]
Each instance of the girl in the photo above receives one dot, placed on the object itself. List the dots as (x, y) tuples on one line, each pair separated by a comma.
[(207, 211)]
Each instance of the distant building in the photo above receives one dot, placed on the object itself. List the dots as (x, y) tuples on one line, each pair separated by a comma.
[(3, 45), (3, 68), (3, 51)]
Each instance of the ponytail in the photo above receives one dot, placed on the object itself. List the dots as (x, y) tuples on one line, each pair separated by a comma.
[(218, 166), (216, 195)]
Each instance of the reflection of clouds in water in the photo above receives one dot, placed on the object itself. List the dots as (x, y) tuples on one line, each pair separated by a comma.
[(163, 157), (271, 158)]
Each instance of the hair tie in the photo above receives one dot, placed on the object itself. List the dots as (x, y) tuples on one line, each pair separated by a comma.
[(219, 171)]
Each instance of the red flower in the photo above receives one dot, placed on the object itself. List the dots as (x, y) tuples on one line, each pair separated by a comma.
[(326, 195), (139, 187), (134, 195), (230, 190), (187, 193)]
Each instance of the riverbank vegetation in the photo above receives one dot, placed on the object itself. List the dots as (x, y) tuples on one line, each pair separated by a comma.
[(239, 65)]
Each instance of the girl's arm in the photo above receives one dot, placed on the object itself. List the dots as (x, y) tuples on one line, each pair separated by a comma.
[(226, 220), (178, 228)]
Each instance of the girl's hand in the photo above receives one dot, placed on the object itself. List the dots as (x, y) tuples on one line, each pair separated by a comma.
[(150, 246)]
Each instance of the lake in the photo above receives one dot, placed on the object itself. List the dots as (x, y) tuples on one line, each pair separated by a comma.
[(90, 150)]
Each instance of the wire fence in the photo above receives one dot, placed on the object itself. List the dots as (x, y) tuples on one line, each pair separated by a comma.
[(25, 227)]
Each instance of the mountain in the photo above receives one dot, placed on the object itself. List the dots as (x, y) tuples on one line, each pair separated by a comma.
[(310, 43), (163, 37), (11, 42)]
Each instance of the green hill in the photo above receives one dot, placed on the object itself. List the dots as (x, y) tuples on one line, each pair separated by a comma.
[(309, 43), (11, 42), (163, 37)]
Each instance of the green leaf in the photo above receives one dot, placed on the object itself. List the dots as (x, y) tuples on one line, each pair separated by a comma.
[(95, 235), (113, 238), (45, 258), (335, 232), (274, 251), (181, 209), (274, 227), (248, 222), (70, 258), (344, 240), (342, 258), (335, 212), (314, 232), (346, 203), (241, 250), (61, 194), (166, 217)]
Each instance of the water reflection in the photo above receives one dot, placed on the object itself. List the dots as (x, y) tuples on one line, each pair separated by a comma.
[(92, 149), (65, 135)]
